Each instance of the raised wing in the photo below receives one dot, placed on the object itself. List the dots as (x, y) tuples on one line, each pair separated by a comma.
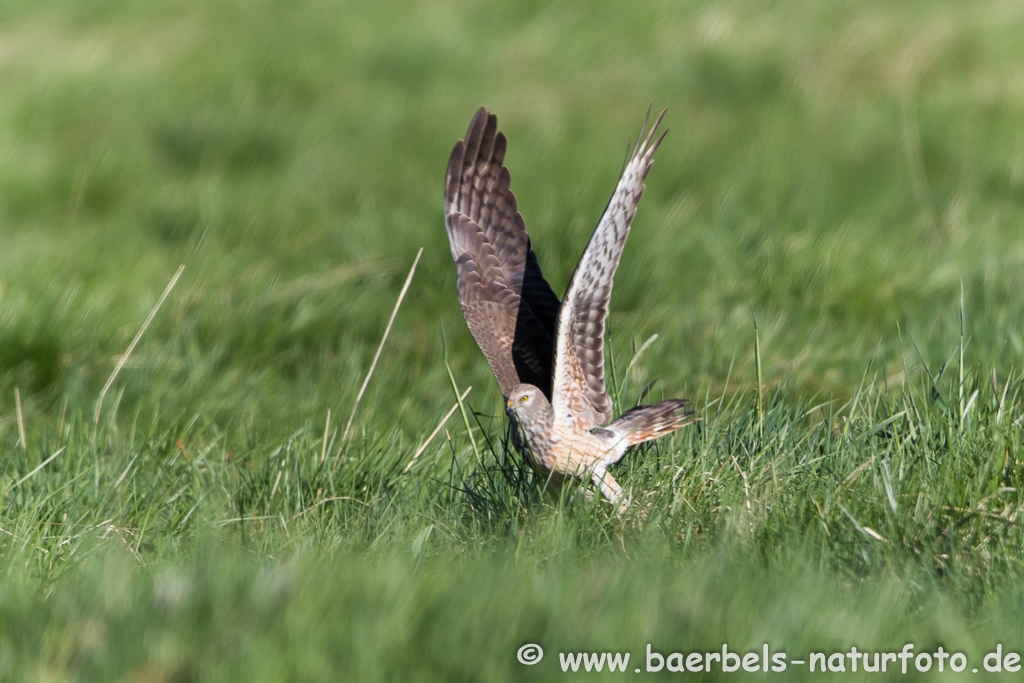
[(509, 308), (579, 392)]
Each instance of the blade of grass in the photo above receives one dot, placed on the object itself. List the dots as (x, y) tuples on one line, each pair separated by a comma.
[(131, 347), (757, 364), (960, 386), (376, 356), (327, 425), (462, 409), (423, 446), (21, 421), (632, 361), (39, 467)]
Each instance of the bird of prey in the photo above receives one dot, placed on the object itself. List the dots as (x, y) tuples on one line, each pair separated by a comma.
[(547, 355)]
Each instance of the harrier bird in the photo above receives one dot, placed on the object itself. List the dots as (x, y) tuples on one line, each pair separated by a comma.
[(547, 355)]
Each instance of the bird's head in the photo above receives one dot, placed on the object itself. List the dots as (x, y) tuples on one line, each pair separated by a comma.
[(526, 400)]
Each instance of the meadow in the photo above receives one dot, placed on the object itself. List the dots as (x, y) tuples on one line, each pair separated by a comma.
[(828, 259)]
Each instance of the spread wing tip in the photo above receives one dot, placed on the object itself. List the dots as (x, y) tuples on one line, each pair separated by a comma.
[(509, 307), (643, 147)]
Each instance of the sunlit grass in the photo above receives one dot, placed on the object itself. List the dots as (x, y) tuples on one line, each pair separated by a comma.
[(840, 173)]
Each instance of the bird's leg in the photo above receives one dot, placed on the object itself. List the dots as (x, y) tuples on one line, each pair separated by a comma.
[(610, 489)]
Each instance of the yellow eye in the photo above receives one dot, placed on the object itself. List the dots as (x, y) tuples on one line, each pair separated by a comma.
[(524, 399)]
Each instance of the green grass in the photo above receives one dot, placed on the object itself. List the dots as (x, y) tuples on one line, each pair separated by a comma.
[(842, 173)]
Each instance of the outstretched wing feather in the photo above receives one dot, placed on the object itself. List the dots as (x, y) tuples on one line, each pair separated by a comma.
[(509, 308), (579, 391)]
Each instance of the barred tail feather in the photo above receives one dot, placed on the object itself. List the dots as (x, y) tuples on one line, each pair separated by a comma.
[(644, 423)]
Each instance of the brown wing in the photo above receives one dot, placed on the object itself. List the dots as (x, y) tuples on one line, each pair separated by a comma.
[(509, 308), (579, 392)]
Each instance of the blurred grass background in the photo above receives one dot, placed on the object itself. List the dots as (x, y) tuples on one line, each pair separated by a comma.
[(841, 170)]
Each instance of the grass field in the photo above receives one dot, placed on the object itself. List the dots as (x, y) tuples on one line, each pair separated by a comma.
[(852, 175)]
